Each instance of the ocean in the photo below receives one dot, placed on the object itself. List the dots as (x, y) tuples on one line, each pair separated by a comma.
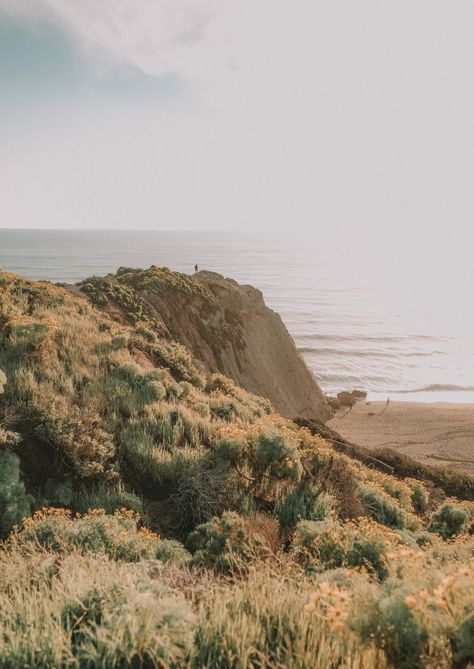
[(356, 326)]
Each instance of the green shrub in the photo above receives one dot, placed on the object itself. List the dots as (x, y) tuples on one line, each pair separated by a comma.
[(202, 408), (462, 642), (154, 391), (419, 499), (154, 469), (115, 344), (328, 544), (174, 391), (103, 496), (29, 337), (368, 553), (271, 449), (319, 544), (76, 435), (223, 408), (175, 357), (399, 633), (119, 342), (147, 387), (303, 502), (219, 382), (173, 426), (449, 520), (381, 508), (156, 374), (146, 333), (169, 550), (275, 451), (58, 493), (14, 502), (228, 449), (424, 538), (198, 381), (225, 544)]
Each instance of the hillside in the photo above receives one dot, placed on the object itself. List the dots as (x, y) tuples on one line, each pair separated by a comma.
[(226, 326), (156, 515)]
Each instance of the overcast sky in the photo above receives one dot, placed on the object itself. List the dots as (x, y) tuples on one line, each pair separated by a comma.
[(349, 116)]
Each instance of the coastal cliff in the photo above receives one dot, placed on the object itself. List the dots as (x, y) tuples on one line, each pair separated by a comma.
[(226, 326), (134, 488)]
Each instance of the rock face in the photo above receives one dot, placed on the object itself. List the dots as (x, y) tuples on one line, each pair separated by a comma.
[(225, 325), (261, 357)]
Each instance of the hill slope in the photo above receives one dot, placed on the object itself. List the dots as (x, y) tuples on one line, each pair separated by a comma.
[(226, 326), (152, 517)]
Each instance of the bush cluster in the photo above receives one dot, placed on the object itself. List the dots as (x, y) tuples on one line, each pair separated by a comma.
[(225, 544)]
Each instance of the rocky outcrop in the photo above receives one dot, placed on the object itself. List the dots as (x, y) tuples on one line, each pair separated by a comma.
[(261, 355), (226, 326)]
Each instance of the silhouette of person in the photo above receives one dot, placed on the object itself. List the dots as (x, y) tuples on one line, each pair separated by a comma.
[(196, 269)]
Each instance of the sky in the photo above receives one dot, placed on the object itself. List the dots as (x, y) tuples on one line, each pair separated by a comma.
[(352, 120)]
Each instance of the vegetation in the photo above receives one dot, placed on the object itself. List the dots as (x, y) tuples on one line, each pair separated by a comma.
[(151, 517)]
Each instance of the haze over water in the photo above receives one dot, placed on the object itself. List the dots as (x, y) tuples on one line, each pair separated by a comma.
[(355, 326)]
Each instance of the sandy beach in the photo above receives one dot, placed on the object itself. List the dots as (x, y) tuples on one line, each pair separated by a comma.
[(437, 434)]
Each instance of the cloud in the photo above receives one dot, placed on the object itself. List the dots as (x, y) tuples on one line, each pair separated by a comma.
[(155, 36)]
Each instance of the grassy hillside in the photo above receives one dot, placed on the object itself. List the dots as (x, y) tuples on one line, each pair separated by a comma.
[(154, 517)]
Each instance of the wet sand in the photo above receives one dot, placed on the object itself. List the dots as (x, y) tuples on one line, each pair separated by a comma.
[(437, 434)]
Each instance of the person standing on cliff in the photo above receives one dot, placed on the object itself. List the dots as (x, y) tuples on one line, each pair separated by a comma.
[(196, 269)]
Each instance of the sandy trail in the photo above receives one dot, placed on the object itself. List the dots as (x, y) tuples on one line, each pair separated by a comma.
[(437, 434)]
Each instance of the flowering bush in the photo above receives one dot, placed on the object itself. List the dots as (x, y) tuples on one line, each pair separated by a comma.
[(114, 535)]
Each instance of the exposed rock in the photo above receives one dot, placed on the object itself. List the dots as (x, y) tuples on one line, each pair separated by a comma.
[(227, 327), (359, 394), (346, 399), (333, 402)]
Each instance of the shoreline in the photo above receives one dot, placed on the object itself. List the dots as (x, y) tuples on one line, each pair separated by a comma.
[(434, 433)]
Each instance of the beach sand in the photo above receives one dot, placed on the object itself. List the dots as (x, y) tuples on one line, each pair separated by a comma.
[(437, 434)]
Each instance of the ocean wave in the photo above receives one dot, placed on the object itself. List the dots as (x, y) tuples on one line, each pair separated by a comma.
[(367, 353), (437, 387), (369, 338), (342, 380)]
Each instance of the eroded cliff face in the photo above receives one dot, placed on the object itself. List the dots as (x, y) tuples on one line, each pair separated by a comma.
[(226, 326)]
